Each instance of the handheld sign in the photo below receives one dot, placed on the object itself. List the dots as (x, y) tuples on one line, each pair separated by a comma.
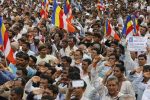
[(136, 43)]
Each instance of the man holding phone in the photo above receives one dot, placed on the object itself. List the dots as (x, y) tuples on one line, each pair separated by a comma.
[(76, 90)]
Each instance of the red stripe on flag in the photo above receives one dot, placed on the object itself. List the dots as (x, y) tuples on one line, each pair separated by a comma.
[(61, 19), (129, 29)]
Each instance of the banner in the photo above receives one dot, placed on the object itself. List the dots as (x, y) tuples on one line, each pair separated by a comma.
[(136, 43)]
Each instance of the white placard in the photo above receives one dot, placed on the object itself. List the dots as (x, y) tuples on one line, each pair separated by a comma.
[(137, 43)]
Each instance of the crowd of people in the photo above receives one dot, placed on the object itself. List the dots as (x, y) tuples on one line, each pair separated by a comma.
[(54, 64)]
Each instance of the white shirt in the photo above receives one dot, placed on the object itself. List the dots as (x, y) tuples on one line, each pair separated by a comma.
[(48, 59), (16, 37), (69, 50), (146, 94), (103, 93), (89, 87), (130, 64), (127, 88)]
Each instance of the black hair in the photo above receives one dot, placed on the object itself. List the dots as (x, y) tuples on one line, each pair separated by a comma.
[(143, 55), (88, 61), (74, 69), (54, 89), (50, 80), (27, 43), (33, 58), (22, 55), (59, 32), (41, 47), (24, 70), (47, 65), (74, 76), (96, 34), (121, 62), (121, 67), (47, 97), (37, 29), (18, 91), (68, 59), (53, 70), (146, 68)]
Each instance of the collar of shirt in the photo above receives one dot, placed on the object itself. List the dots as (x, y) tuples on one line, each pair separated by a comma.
[(116, 97)]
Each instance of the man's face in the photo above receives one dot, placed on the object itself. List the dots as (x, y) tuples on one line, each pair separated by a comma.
[(93, 53), (56, 37), (117, 72), (43, 52), (143, 31), (20, 62), (31, 62), (142, 61), (64, 63), (84, 65), (112, 87), (133, 54), (44, 83), (64, 44), (24, 47), (77, 55), (112, 59), (71, 42), (47, 92)]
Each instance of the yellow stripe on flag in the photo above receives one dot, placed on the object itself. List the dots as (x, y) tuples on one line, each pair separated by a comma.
[(3, 30), (57, 20)]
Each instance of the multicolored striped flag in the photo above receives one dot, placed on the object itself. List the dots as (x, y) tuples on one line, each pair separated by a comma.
[(109, 31), (66, 7), (68, 10), (5, 46), (60, 20), (128, 28), (135, 26)]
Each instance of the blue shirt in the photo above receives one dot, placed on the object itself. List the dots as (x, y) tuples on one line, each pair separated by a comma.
[(13, 68)]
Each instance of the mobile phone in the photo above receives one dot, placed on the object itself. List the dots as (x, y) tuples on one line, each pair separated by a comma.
[(77, 83)]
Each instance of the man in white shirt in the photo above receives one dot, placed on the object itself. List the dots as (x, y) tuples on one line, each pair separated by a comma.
[(108, 92), (71, 47), (76, 93), (44, 57)]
